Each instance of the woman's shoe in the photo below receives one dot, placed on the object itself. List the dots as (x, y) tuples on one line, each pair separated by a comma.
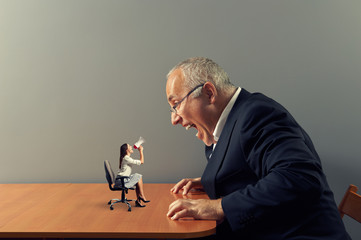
[(137, 204), (141, 199)]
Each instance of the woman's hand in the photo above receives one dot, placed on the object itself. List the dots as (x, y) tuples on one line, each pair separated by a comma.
[(140, 149), (187, 184)]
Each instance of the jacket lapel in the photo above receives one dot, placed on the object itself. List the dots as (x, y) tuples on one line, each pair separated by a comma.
[(217, 157)]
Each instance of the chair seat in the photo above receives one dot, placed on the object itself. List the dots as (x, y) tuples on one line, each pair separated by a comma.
[(117, 186)]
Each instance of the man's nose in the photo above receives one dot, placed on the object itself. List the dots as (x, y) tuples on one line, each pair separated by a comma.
[(175, 118)]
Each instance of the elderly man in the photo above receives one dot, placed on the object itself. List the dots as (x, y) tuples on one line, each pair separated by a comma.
[(263, 177)]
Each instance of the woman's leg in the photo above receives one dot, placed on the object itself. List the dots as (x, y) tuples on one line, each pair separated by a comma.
[(137, 192), (140, 190)]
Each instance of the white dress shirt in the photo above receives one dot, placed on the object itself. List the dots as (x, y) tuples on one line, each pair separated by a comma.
[(223, 118), (127, 164)]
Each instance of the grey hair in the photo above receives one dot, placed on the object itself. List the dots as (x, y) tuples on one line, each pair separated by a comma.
[(200, 70)]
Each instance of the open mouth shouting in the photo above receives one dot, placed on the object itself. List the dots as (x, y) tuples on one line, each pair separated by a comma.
[(189, 126)]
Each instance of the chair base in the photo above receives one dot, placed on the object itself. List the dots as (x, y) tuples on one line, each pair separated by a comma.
[(114, 201)]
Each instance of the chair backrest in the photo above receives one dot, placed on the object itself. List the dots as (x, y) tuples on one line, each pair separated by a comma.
[(351, 204), (109, 174)]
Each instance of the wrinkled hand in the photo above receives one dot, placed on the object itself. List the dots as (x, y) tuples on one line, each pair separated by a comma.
[(198, 209), (186, 184)]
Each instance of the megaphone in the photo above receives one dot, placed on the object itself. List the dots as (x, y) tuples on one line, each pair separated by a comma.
[(139, 142)]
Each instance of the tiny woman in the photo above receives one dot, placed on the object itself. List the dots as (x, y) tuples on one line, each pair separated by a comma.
[(125, 169)]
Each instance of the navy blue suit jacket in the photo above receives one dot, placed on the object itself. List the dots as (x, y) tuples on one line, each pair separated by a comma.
[(269, 175)]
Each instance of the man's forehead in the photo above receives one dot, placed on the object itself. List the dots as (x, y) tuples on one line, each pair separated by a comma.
[(175, 84)]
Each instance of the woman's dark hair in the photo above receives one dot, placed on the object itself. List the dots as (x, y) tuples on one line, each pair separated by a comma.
[(123, 152)]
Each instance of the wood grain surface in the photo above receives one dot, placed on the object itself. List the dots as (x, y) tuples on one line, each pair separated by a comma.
[(81, 211)]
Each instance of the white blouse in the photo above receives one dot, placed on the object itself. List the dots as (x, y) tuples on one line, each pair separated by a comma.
[(127, 163)]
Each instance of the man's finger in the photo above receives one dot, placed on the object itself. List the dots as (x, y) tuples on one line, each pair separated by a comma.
[(174, 207), (180, 214), (187, 187), (175, 189), (172, 204), (178, 186)]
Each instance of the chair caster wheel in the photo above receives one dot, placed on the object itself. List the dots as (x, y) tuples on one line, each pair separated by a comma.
[(110, 202), (111, 208), (129, 209)]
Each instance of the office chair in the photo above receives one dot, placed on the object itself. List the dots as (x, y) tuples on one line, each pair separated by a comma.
[(116, 184), (351, 204)]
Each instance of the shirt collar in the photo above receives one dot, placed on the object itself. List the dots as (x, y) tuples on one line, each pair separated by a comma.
[(223, 118)]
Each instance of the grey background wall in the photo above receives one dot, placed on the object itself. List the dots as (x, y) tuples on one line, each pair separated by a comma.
[(79, 78)]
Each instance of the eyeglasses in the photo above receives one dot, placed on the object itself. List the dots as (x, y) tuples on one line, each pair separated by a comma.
[(174, 108)]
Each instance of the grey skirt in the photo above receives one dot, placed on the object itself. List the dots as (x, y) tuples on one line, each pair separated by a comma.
[(132, 180)]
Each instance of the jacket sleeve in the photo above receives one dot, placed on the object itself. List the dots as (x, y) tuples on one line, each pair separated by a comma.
[(282, 156)]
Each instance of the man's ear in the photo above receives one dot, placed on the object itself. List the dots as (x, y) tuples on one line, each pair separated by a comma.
[(211, 92)]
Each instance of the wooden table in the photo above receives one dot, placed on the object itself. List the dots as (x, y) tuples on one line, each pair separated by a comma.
[(81, 211)]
